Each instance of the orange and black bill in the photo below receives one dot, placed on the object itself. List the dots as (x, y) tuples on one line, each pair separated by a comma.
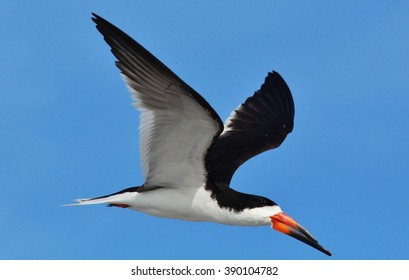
[(287, 225)]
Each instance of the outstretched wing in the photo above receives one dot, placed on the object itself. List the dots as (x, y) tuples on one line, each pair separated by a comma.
[(259, 124), (177, 125)]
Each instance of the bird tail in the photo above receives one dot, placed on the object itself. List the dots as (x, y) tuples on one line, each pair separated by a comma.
[(89, 201), (120, 199)]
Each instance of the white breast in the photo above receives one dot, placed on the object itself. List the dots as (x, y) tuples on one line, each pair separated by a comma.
[(196, 204)]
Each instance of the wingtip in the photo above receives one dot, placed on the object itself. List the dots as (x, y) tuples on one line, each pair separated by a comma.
[(97, 19), (274, 73)]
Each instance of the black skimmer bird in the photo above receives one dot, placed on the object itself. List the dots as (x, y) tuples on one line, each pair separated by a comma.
[(188, 156)]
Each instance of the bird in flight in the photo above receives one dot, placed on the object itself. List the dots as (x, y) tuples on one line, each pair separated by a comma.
[(188, 156)]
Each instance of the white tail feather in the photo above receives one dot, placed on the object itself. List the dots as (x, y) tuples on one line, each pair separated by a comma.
[(122, 198)]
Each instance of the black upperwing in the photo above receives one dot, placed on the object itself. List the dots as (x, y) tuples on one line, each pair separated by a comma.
[(261, 123)]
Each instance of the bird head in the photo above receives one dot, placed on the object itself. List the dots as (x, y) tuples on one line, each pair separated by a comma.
[(254, 210), (282, 222)]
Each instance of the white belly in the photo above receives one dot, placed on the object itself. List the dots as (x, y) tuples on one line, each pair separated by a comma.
[(185, 204), (195, 205)]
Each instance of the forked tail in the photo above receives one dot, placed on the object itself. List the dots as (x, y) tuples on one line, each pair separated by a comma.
[(119, 199)]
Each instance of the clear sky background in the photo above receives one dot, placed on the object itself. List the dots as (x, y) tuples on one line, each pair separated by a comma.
[(68, 130)]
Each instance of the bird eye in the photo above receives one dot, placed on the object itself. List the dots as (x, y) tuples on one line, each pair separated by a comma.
[(261, 202)]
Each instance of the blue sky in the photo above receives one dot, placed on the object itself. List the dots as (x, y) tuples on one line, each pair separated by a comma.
[(68, 130)]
